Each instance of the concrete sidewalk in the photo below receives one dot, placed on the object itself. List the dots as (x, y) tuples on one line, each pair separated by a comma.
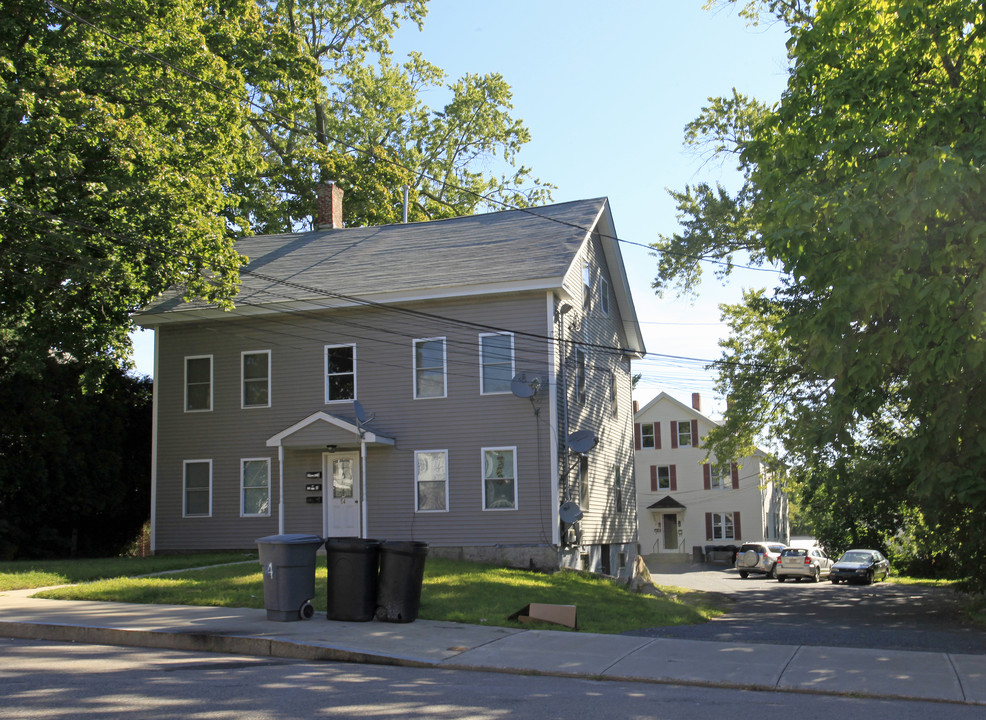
[(424, 643)]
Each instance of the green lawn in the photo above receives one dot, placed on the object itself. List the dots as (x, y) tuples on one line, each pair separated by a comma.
[(21, 574), (452, 591)]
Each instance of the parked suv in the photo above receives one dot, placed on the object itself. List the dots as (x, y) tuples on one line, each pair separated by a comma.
[(800, 562), (758, 558)]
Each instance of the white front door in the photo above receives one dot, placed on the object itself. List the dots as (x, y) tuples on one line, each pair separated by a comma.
[(340, 495)]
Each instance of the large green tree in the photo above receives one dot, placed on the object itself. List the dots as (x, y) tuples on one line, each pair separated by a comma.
[(865, 186), (120, 124), (366, 126)]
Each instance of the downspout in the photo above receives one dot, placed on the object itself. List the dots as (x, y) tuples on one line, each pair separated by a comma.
[(280, 492), (363, 513)]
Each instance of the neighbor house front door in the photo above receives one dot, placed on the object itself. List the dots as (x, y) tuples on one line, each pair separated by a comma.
[(670, 523), (341, 494)]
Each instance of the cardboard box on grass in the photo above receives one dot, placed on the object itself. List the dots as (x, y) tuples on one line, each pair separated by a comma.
[(542, 612)]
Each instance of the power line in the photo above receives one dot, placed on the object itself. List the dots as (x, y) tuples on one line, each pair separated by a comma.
[(295, 125)]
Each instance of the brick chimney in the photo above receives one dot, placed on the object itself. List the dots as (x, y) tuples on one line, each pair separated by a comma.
[(329, 206), (636, 407), (697, 401)]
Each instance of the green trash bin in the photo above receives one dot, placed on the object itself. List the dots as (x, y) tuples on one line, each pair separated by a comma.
[(402, 570), (351, 582), (288, 564)]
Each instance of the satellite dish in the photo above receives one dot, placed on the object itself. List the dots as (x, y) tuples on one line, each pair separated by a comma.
[(570, 512), (360, 413), (525, 385), (582, 441)]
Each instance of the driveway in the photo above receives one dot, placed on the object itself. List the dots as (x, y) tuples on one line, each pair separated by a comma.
[(882, 616)]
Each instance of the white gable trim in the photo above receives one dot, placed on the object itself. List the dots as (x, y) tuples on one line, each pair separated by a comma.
[(369, 436)]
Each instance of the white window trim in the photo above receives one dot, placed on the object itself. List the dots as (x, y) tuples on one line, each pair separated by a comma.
[(482, 470), (212, 382), (270, 500), (243, 405), (722, 525), (414, 364), (184, 488), (325, 373), (447, 482), (482, 365), (725, 476), (659, 488), (677, 429), (652, 435)]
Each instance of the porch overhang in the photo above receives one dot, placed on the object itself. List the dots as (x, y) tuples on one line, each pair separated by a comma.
[(322, 429), (666, 503)]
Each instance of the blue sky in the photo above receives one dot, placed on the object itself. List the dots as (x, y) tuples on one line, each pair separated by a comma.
[(606, 92)]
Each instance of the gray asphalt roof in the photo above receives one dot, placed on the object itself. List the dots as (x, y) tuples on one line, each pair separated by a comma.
[(509, 246)]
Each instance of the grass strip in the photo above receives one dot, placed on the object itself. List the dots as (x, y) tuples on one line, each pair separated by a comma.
[(452, 591)]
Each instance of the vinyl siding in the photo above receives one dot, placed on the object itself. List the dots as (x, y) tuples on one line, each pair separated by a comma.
[(463, 422), (594, 332)]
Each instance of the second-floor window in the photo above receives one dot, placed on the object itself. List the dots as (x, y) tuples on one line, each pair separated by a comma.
[(429, 368), (584, 489), (719, 477), (684, 430), (647, 435), (198, 383), (340, 373), (496, 359), (617, 489), (256, 379), (662, 477)]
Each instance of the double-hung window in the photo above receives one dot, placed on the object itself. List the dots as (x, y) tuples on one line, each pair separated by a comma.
[(647, 435), (496, 359), (429, 368), (662, 477), (255, 374), (584, 488), (197, 488), (255, 487), (198, 383), (722, 526), (719, 477), (431, 480), (340, 373), (684, 430), (500, 478)]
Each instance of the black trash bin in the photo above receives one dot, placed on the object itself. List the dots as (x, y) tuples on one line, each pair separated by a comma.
[(288, 565), (352, 578), (402, 569)]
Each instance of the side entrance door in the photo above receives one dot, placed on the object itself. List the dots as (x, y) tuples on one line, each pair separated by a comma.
[(670, 523), (341, 492)]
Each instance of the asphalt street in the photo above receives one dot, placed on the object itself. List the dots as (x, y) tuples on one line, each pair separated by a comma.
[(884, 615)]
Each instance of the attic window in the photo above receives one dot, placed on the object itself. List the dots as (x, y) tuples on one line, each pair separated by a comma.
[(604, 295)]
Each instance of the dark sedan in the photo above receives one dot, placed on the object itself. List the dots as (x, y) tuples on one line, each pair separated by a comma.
[(860, 566)]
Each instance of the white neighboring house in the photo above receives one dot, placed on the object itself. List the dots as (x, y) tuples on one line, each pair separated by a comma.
[(685, 500)]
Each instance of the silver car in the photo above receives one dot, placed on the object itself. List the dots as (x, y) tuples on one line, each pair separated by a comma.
[(800, 562), (758, 558)]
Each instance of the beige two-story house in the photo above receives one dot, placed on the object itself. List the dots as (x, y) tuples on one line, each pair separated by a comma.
[(688, 500), (417, 381)]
